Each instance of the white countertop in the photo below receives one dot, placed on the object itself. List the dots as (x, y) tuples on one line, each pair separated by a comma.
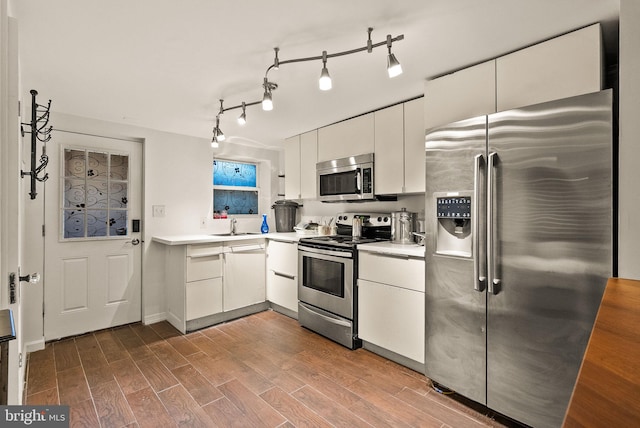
[(412, 250), (205, 239)]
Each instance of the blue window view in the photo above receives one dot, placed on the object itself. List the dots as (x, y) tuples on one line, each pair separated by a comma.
[(226, 173), (235, 201), (235, 188)]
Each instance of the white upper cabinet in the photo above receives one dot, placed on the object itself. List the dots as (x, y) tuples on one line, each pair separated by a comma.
[(292, 167), (466, 93), (348, 138), (300, 157), (389, 150), (558, 68), (308, 160), (562, 67), (414, 173)]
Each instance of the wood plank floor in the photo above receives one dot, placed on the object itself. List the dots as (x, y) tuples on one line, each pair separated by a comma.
[(263, 370)]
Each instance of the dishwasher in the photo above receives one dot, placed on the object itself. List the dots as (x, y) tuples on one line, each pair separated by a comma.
[(244, 274)]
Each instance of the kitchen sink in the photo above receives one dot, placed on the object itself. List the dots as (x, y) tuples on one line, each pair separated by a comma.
[(236, 234)]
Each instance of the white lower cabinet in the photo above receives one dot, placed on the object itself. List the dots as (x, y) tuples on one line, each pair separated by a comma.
[(194, 282), (211, 283), (391, 304), (282, 276)]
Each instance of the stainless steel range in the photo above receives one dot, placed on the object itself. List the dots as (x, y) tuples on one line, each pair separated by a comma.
[(328, 266)]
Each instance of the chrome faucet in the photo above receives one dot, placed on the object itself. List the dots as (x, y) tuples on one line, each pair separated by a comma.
[(232, 225)]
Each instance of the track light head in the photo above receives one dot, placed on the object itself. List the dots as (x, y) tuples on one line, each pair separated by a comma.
[(242, 119), (393, 65), (267, 100), (221, 111), (218, 135), (324, 83)]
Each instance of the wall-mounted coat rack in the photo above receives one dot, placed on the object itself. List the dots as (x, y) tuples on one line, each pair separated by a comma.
[(39, 132)]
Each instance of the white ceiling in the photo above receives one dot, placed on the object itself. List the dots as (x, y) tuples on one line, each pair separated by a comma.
[(163, 64)]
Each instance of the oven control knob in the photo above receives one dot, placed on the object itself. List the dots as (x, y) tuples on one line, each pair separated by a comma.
[(386, 219)]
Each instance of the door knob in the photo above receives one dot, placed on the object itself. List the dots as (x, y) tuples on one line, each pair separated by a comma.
[(133, 242)]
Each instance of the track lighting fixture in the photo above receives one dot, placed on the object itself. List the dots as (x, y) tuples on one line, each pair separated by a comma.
[(325, 80), (214, 142), (242, 119), (393, 66), (324, 83)]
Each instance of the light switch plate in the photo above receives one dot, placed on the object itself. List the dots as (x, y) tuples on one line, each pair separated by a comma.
[(158, 210)]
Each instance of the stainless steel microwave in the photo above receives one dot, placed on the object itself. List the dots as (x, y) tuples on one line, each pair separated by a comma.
[(346, 179)]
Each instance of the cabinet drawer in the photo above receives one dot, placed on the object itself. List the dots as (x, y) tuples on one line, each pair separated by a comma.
[(204, 250), (400, 271), (283, 257), (204, 267), (282, 290), (203, 298)]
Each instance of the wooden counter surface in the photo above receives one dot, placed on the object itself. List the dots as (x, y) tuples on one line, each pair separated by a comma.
[(607, 392)]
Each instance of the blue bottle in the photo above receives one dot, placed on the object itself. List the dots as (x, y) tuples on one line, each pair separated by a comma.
[(265, 227)]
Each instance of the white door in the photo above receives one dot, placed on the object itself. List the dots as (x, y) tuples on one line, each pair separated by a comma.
[(92, 274)]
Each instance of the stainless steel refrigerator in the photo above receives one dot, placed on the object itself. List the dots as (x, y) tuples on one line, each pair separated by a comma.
[(519, 209)]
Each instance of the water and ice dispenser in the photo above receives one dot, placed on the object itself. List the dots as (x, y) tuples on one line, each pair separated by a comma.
[(454, 234)]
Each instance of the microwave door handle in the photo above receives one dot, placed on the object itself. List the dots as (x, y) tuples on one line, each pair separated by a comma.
[(359, 180)]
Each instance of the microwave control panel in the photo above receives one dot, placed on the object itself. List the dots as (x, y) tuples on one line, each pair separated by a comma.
[(367, 180)]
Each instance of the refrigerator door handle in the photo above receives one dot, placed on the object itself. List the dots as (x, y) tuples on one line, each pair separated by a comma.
[(479, 274), (493, 286)]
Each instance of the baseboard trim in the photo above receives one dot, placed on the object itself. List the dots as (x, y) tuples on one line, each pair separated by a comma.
[(154, 318), (33, 346)]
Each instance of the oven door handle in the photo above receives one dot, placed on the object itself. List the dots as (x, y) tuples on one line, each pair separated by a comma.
[(313, 252)]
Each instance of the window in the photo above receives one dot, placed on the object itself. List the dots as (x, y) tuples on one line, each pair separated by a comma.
[(235, 188), (95, 194)]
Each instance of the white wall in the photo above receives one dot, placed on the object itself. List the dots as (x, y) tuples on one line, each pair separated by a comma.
[(313, 209), (177, 174), (629, 176)]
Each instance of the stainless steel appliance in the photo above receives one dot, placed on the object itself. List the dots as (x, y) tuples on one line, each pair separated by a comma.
[(519, 248), (328, 266), (347, 179), (403, 225)]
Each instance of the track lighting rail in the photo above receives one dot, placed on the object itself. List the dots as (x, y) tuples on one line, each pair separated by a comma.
[(393, 68), (39, 132)]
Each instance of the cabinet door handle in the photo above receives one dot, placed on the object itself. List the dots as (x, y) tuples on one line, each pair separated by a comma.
[(284, 275), (199, 256)]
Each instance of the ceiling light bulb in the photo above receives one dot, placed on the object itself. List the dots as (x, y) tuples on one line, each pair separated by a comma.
[(267, 101), (324, 83), (214, 142), (393, 66), (220, 135)]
